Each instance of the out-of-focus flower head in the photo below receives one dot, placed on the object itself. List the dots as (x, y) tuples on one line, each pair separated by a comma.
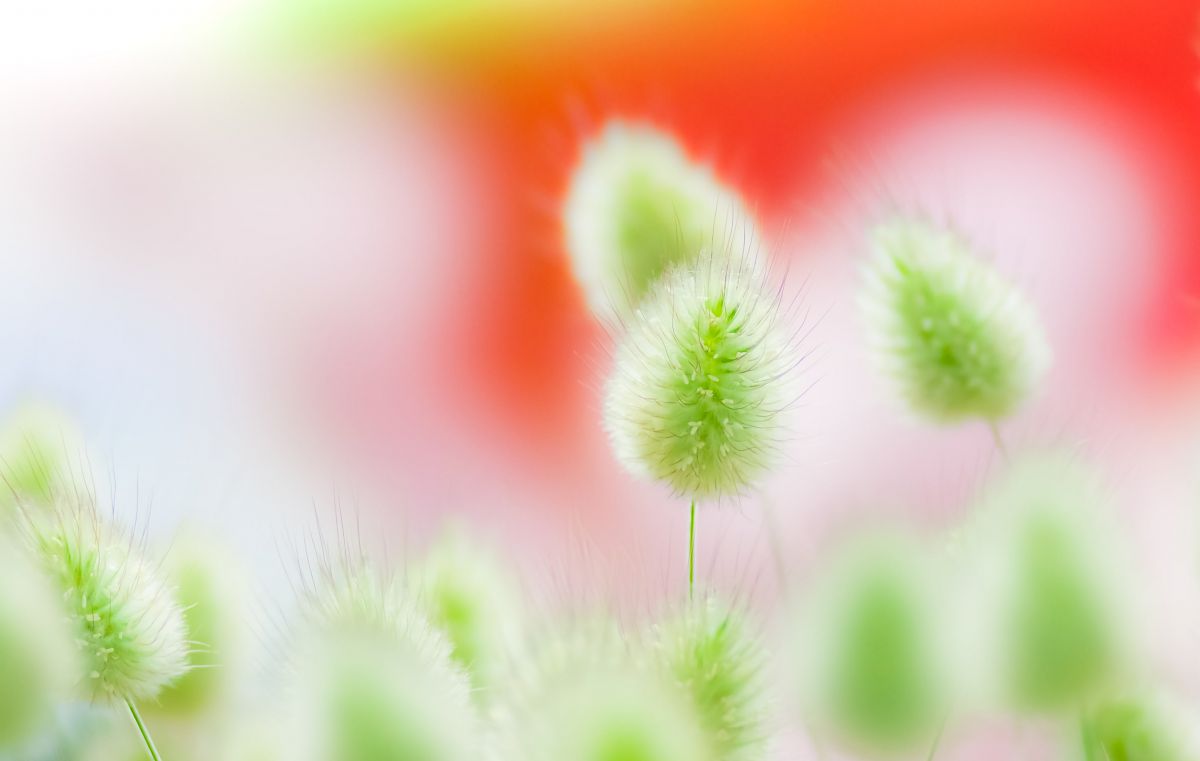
[(1047, 583), (126, 620), (211, 589), (713, 654), (956, 338), (637, 205), (1140, 726), (39, 446), (471, 597), (583, 693), (37, 655), (868, 646)]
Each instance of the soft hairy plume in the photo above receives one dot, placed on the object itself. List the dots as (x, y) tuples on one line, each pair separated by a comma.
[(715, 657), (638, 205), (1053, 604), (868, 646), (702, 379), (581, 694), (958, 339), (470, 596), (37, 658), (126, 622)]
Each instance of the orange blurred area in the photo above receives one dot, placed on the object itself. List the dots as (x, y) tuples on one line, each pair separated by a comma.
[(375, 249), (762, 89)]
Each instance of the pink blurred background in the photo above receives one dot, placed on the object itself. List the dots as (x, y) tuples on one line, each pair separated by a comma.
[(265, 274)]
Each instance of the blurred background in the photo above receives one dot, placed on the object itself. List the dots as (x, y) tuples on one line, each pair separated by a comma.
[(278, 258)]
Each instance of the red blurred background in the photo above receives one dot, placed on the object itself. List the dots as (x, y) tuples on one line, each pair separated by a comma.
[(766, 91), (362, 270)]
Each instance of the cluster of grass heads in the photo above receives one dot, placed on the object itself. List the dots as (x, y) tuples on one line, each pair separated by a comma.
[(887, 644)]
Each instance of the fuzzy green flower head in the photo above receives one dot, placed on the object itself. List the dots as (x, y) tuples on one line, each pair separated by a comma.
[(126, 622), (556, 654), (472, 599), (869, 649), (37, 658), (702, 381), (211, 590), (373, 678), (637, 204), (1139, 728), (1052, 571), (38, 445), (712, 654), (372, 699), (583, 696), (618, 717), (353, 600), (958, 340)]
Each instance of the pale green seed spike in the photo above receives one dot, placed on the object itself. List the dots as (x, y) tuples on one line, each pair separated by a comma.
[(1056, 596), (582, 696), (211, 590), (472, 599), (353, 599), (368, 699), (620, 717), (126, 623), (1136, 728), (558, 654), (637, 205), (375, 678), (958, 340), (715, 658), (38, 447), (37, 659), (1060, 645), (701, 381), (869, 650)]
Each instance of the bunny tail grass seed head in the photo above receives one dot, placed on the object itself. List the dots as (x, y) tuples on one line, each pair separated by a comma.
[(127, 624), (1143, 726), (352, 600), (958, 340), (37, 657), (868, 646), (1050, 586), (636, 205), (38, 445), (617, 716), (368, 699), (710, 652), (373, 678), (582, 695), (702, 380), (471, 598), (210, 588)]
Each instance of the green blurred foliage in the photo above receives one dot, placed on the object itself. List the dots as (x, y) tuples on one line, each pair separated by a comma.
[(883, 682), (1130, 730), (1062, 646)]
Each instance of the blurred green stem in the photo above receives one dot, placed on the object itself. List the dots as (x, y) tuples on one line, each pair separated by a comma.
[(141, 725), (1092, 751), (937, 740), (998, 439), (772, 526), (692, 554)]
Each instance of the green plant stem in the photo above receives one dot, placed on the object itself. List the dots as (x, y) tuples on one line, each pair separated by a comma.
[(998, 439), (1092, 750), (772, 526), (937, 739), (141, 725), (692, 554)]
